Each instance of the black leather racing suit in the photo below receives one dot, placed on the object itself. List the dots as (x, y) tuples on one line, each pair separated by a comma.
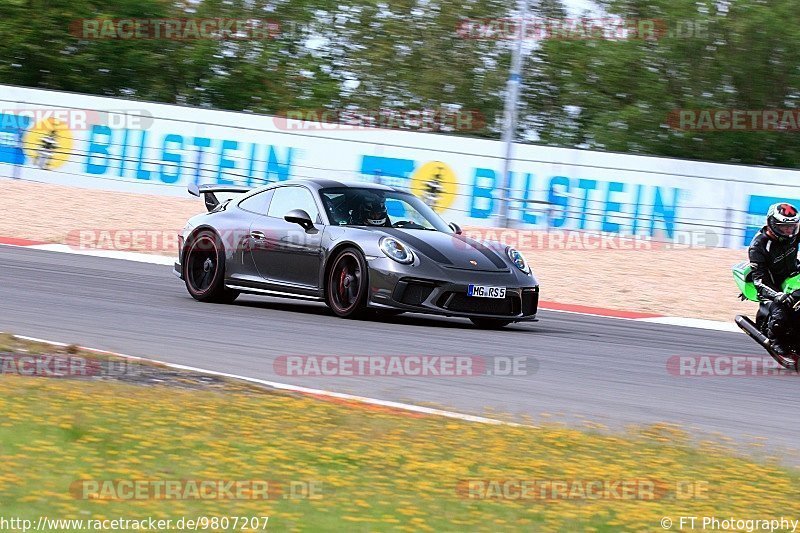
[(773, 261)]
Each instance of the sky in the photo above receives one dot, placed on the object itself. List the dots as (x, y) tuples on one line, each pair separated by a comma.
[(576, 7)]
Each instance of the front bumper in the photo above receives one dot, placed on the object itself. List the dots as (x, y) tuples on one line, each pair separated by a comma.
[(445, 292), (177, 269)]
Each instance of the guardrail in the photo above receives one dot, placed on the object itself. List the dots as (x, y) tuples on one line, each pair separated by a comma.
[(168, 147)]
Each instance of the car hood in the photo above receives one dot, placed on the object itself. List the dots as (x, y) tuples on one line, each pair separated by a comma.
[(448, 250)]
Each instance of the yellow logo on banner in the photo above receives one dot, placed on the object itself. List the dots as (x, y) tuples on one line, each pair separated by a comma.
[(436, 184), (48, 144)]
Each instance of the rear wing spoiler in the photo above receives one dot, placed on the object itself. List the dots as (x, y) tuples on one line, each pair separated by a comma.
[(209, 192)]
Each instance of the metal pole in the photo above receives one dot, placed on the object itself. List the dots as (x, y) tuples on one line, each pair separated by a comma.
[(21, 148), (510, 115), (727, 235)]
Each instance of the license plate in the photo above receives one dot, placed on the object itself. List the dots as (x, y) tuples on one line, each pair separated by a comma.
[(482, 291)]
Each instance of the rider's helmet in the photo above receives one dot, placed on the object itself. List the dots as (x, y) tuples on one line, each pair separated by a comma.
[(783, 220), (372, 211)]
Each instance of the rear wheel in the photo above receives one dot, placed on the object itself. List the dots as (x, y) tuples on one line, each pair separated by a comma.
[(204, 269), (490, 323), (346, 286)]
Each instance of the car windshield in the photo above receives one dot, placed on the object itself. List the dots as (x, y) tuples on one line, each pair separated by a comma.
[(356, 206)]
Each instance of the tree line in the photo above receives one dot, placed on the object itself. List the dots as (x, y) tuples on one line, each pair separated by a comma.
[(622, 92)]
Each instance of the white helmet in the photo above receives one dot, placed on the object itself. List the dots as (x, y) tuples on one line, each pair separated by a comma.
[(783, 220)]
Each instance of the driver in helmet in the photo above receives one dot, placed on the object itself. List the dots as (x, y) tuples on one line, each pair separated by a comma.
[(371, 211), (773, 258)]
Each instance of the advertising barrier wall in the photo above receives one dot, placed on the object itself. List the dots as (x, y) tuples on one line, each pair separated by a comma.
[(126, 145)]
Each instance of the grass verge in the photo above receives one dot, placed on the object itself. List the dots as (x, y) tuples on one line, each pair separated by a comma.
[(370, 469)]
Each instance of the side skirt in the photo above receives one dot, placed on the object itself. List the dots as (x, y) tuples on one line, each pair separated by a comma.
[(270, 292)]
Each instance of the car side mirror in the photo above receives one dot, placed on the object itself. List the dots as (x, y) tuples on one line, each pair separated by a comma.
[(456, 228), (299, 216)]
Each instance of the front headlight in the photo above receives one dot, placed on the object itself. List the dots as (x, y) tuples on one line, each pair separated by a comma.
[(396, 250), (518, 259)]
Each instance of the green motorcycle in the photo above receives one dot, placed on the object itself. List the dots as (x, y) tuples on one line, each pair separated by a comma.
[(742, 274)]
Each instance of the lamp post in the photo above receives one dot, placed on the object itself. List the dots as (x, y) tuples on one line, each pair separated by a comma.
[(510, 116)]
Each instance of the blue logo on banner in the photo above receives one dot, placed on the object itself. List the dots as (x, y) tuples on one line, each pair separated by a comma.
[(173, 157), (12, 128), (757, 212)]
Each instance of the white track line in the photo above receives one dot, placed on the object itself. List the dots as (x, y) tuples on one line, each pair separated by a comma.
[(693, 323), (295, 388), (111, 254)]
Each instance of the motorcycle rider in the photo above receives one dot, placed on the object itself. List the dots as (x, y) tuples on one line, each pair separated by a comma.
[(773, 258)]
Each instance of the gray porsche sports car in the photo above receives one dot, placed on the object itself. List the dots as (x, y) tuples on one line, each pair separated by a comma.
[(352, 245)]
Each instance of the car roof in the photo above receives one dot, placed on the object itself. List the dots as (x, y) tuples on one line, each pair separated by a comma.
[(322, 183)]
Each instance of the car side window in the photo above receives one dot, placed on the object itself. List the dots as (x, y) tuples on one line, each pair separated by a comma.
[(258, 203), (287, 198)]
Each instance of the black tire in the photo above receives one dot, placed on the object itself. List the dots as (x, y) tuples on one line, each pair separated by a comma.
[(490, 323), (204, 269), (346, 284), (792, 360)]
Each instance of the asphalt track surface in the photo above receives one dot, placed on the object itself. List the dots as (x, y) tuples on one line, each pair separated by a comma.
[(604, 370)]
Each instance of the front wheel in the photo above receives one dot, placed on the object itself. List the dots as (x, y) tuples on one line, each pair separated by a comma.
[(204, 269), (490, 323), (346, 286)]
